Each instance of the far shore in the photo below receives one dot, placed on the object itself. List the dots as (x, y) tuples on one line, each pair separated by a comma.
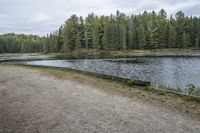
[(99, 54)]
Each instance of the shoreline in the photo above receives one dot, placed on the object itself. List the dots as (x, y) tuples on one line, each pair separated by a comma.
[(92, 54), (184, 103)]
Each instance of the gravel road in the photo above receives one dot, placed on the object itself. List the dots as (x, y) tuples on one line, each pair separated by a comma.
[(32, 101)]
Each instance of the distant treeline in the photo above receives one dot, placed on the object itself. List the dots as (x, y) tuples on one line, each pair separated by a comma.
[(13, 43), (148, 30)]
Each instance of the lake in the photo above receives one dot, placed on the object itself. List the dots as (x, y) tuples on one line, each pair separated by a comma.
[(174, 72)]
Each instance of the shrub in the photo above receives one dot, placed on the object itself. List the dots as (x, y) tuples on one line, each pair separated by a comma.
[(191, 89), (130, 82)]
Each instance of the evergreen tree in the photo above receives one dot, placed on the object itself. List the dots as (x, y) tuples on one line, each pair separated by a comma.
[(180, 28), (70, 32), (122, 40), (171, 36), (197, 42), (130, 40), (162, 29), (89, 27), (141, 37), (105, 39), (152, 35), (46, 45), (60, 39), (97, 35), (82, 32), (162, 14), (78, 42), (186, 40)]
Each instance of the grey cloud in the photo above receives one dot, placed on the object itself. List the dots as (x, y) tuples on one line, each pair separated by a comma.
[(44, 16)]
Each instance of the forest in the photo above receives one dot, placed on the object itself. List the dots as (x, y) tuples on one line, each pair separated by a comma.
[(148, 30), (20, 43)]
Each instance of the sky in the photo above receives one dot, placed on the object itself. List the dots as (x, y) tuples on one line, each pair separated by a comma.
[(41, 17)]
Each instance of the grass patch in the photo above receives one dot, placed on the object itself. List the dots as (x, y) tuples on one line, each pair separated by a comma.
[(152, 90), (94, 54), (106, 81)]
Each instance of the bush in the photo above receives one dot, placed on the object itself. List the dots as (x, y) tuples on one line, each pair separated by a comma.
[(130, 82), (192, 89)]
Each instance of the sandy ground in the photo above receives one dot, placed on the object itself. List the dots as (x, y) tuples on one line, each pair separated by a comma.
[(32, 101)]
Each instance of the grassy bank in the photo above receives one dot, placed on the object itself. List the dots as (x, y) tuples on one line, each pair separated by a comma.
[(126, 53), (175, 101)]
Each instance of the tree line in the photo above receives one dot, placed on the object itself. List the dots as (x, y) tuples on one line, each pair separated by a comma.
[(13, 43), (148, 30)]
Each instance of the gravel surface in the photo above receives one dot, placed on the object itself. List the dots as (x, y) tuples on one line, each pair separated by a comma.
[(32, 101)]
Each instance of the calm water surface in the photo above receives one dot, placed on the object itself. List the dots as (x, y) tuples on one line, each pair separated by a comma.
[(172, 72)]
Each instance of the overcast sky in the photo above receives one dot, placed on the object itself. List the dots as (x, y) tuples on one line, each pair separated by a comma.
[(44, 16)]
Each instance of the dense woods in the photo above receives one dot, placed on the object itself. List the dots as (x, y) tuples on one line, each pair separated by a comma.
[(149, 30), (13, 43)]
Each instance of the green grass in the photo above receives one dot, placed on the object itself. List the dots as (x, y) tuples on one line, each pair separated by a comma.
[(123, 86)]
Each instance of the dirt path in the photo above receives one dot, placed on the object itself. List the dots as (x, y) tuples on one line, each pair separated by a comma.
[(33, 101)]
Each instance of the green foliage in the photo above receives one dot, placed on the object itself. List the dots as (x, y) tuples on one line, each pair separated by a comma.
[(13, 43), (153, 90), (78, 41), (152, 35), (130, 82), (197, 42), (130, 40), (186, 40), (162, 14), (171, 36), (148, 30), (192, 89), (141, 37)]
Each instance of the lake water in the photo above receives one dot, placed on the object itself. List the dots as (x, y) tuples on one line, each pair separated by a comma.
[(171, 72)]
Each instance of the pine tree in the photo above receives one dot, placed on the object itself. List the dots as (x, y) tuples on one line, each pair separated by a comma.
[(60, 38), (162, 29), (141, 37), (181, 27), (130, 40), (131, 33), (22, 49), (46, 45), (82, 32), (186, 40), (71, 28), (95, 39), (78, 42), (105, 39), (113, 36), (162, 14), (152, 35), (97, 35), (89, 27), (171, 36), (197, 42), (122, 40), (120, 37)]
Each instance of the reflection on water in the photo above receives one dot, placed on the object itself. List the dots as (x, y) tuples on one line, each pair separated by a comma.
[(172, 72)]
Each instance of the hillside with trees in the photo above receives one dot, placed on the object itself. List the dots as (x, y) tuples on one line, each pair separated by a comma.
[(149, 30)]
